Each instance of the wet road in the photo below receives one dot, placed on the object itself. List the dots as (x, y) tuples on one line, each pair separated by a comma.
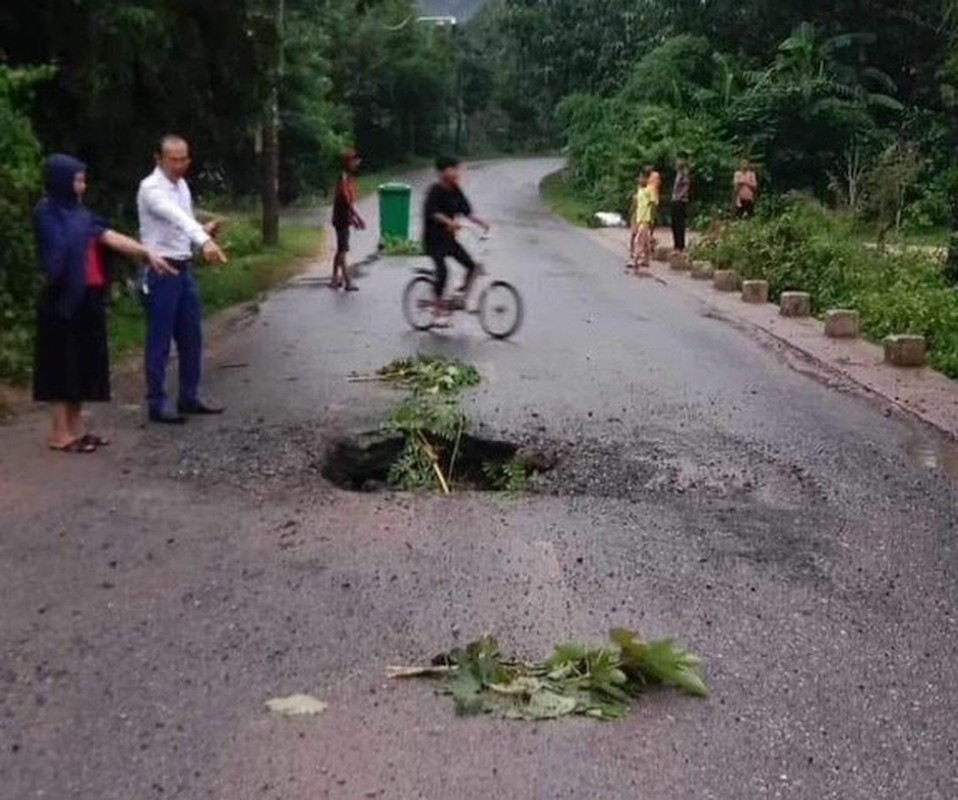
[(793, 533)]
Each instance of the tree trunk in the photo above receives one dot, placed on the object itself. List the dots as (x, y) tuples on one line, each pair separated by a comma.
[(270, 188), (951, 264)]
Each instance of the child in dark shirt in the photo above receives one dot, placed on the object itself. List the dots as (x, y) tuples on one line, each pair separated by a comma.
[(445, 205), (345, 217)]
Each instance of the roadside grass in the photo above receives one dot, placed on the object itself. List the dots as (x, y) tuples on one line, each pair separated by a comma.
[(246, 277), (805, 247), (252, 270), (564, 200), (368, 182), (933, 238)]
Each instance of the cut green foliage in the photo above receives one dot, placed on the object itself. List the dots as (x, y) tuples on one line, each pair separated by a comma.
[(602, 682), (396, 246), (432, 428), (429, 375), (512, 478), (431, 421)]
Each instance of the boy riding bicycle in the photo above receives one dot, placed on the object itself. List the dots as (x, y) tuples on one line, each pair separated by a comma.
[(445, 205)]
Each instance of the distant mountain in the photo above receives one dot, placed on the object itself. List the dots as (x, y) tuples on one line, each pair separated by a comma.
[(461, 9)]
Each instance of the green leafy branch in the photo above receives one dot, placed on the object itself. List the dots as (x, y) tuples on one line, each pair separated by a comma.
[(426, 375), (432, 429), (512, 478), (397, 246), (602, 683)]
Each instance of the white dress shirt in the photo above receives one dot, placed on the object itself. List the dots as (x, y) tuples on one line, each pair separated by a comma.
[(167, 224)]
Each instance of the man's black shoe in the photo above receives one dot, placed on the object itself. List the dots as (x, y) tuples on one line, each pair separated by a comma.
[(199, 408), (167, 418)]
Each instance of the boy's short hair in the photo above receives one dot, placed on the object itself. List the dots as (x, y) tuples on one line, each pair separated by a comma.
[(646, 173), (446, 162)]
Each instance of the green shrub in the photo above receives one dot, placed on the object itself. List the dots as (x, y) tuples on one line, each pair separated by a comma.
[(398, 246), (20, 183), (801, 247), (240, 237), (609, 140)]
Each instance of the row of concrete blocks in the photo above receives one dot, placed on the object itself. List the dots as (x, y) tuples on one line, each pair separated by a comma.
[(900, 350)]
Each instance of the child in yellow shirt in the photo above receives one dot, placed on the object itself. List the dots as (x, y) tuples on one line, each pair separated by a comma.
[(643, 220)]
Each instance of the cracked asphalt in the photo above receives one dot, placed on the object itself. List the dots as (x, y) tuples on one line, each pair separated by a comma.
[(797, 535)]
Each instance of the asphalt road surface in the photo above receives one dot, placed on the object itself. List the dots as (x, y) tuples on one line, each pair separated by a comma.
[(798, 536)]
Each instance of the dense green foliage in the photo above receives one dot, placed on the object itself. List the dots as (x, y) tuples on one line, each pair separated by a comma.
[(799, 246), (851, 101), (350, 71), (19, 186), (854, 104)]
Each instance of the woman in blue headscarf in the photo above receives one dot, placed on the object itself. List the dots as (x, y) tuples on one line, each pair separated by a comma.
[(72, 363)]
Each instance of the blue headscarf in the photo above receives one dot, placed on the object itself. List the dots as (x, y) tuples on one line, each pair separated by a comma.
[(59, 176), (64, 230)]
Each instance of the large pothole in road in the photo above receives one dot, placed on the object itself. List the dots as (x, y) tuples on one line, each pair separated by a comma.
[(367, 462)]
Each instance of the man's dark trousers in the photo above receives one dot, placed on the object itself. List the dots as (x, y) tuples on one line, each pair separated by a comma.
[(173, 313)]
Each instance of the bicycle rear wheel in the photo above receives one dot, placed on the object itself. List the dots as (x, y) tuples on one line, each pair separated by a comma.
[(419, 302), (500, 310)]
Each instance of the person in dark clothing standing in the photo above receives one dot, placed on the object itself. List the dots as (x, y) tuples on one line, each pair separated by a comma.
[(681, 194), (72, 361), (445, 205), (345, 217)]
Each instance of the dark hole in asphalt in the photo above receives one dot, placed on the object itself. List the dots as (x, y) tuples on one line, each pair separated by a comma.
[(362, 463)]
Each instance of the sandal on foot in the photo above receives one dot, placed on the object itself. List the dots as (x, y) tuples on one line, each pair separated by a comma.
[(76, 446), (350, 287), (96, 441)]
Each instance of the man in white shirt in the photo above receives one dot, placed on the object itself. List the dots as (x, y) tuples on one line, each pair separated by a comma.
[(169, 228)]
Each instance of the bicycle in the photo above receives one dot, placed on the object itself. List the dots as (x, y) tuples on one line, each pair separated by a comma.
[(500, 308)]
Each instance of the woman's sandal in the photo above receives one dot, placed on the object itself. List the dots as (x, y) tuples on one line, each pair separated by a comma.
[(80, 445), (96, 441)]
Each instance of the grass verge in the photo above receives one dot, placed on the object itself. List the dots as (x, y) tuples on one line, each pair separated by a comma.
[(244, 278), (564, 200), (932, 240), (368, 182)]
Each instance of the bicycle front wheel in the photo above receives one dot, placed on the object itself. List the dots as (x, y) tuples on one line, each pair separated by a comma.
[(419, 302), (500, 310)]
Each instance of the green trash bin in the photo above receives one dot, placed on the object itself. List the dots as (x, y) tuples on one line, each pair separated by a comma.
[(394, 202)]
